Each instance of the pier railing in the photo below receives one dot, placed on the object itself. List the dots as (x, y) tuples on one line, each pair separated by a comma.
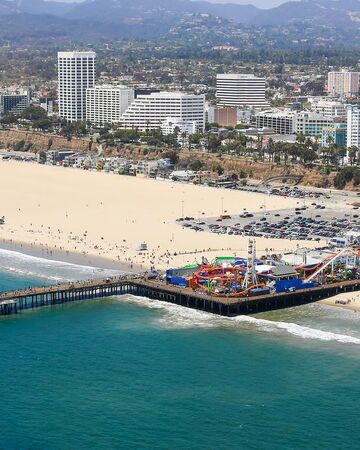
[(16, 301)]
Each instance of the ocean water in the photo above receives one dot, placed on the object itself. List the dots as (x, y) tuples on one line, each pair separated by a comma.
[(131, 373)]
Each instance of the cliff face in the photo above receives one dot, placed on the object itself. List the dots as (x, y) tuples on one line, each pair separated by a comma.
[(254, 170), (36, 142), (260, 170)]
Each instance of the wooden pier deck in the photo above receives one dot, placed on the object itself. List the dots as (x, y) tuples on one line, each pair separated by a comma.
[(16, 301)]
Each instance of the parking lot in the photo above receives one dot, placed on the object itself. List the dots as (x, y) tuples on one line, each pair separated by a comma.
[(317, 219), (285, 191)]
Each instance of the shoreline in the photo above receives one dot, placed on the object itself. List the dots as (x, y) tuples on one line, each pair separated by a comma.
[(99, 262), (93, 219), (71, 257), (95, 214), (352, 297)]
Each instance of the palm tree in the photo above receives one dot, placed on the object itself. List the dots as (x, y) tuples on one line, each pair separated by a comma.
[(325, 155), (352, 154), (334, 155), (270, 149), (329, 140), (342, 154), (259, 147), (315, 144)]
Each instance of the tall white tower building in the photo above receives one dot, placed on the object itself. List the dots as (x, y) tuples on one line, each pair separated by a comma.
[(241, 90), (343, 83), (353, 126), (76, 73)]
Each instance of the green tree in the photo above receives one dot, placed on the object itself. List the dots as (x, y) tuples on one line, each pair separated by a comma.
[(34, 113), (346, 175), (8, 119), (196, 165), (43, 124), (42, 157), (173, 156), (352, 153), (195, 138), (213, 144), (19, 146), (300, 138), (218, 168)]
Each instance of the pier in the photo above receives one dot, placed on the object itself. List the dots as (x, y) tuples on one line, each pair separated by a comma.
[(14, 302)]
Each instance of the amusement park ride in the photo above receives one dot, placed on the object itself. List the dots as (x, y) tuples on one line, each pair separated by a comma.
[(242, 277)]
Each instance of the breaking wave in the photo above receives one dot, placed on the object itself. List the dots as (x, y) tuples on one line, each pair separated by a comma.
[(179, 317), (36, 267)]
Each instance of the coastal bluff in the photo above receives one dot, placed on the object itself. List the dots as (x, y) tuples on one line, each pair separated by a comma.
[(35, 142)]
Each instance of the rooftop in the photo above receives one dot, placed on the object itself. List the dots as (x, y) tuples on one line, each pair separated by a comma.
[(284, 271), (236, 76), (76, 54)]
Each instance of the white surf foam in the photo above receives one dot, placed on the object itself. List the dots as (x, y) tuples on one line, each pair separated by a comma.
[(37, 267), (175, 316), (298, 330)]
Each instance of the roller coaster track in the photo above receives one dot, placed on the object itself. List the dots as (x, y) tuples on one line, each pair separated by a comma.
[(346, 252)]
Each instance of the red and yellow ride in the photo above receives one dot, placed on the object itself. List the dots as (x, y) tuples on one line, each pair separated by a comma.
[(218, 281)]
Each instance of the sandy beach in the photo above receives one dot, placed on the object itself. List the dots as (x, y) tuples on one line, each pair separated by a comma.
[(108, 216), (347, 300), (72, 257)]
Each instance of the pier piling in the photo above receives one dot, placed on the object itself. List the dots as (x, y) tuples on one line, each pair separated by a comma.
[(17, 301)]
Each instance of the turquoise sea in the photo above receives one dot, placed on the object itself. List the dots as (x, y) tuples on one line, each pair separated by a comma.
[(131, 373)]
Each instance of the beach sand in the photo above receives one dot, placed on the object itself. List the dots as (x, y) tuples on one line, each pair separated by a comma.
[(108, 216), (347, 300), (67, 256)]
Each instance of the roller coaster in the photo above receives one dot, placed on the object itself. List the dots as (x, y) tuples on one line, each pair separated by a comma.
[(218, 281), (345, 260), (240, 278)]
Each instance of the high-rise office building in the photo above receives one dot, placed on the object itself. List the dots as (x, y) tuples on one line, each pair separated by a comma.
[(310, 123), (353, 126), (282, 122), (76, 73), (241, 90), (106, 104), (14, 102), (329, 108), (290, 122), (343, 83), (150, 111)]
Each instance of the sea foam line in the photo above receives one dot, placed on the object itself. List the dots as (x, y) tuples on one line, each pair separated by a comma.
[(50, 269), (299, 330), (176, 316)]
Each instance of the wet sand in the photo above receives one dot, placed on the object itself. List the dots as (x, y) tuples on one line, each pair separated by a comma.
[(67, 256)]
